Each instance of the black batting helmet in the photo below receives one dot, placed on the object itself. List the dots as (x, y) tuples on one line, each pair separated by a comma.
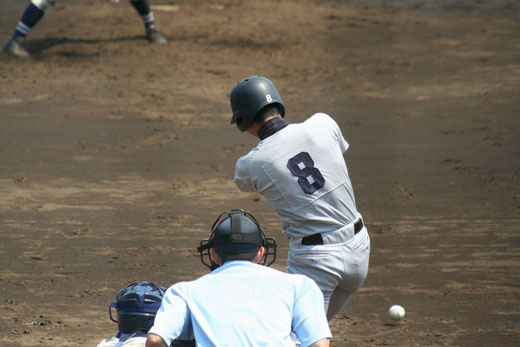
[(236, 232), (249, 96)]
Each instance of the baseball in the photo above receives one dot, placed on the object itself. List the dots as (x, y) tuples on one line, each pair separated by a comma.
[(396, 312)]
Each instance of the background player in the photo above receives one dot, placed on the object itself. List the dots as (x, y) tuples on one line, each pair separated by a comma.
[(36, 9), (241, 303), (300, 170)]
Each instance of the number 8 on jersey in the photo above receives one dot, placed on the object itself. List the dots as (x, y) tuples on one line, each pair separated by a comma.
[(310, 178)]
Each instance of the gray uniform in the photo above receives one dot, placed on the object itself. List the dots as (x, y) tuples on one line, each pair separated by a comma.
[(301, 171)]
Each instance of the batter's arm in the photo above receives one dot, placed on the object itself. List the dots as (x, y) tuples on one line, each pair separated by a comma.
[(242, 176)]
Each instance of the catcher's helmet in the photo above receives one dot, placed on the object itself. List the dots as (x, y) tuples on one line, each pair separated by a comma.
[(136, 306), (236, 232), (249, 96)]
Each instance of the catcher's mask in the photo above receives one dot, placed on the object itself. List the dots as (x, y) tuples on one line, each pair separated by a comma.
[(236, 232), (137, 305)]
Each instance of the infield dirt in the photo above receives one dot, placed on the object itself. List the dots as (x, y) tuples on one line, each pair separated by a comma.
[(116, 156)]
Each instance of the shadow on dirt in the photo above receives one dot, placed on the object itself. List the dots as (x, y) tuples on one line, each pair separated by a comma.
[(36, 46)]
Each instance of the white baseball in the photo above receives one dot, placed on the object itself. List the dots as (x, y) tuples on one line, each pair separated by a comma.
[(396, 312)]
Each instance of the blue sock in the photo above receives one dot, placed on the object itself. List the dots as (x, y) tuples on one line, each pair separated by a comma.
[(30, 17), (145, 11)]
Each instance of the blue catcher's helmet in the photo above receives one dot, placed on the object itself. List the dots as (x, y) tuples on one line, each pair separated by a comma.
[(136, 306)]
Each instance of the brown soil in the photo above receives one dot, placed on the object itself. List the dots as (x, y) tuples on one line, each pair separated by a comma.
[(117, 155)]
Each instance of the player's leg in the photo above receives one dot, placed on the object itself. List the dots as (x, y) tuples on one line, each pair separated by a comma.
[(32, 15), (356, 254), (338, 300), (324, 282), (302, 265), (144, 9), (323, 264)]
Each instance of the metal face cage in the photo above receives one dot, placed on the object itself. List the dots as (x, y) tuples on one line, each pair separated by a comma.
[(267, 242)]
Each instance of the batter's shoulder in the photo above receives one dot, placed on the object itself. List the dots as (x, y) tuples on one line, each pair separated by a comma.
[(249, 156), (321, 117), (248, 161), (243, 166), (321, 121)]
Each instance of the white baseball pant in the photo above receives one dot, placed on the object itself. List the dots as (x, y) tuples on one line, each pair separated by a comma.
[(339, 266)]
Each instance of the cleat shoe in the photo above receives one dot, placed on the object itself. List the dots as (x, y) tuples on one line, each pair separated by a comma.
[(154, 36), (13, 48)]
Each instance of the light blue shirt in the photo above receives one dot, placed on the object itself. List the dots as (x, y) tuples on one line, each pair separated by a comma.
[(315, 150), (243, 304)]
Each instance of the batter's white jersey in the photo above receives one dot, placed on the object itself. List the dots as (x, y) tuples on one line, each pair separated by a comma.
[(300, 170)]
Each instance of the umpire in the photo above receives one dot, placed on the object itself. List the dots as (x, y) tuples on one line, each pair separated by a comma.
[(241, 302)]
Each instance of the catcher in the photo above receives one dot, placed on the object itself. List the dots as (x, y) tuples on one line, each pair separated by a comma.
[(136, 307)]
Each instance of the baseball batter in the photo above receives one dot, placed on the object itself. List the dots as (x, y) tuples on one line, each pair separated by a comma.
[(300, 170), (36, 9)]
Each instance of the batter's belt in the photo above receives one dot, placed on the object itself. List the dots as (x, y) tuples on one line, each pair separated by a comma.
[(317, 239)]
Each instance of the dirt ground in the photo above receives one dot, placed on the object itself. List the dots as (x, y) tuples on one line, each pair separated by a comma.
[(116, 156)]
